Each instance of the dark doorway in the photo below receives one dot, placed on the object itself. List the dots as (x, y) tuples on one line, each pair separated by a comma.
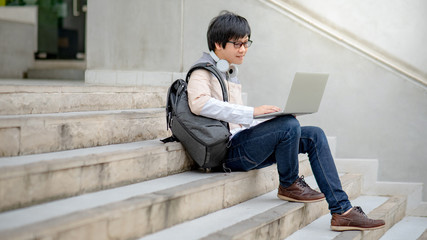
[(61, 28)]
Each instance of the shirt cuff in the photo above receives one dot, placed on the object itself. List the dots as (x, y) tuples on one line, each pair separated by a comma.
[(228, 112)]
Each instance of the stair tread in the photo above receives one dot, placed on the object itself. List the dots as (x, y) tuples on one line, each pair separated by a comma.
[(93, 208), (226, 218), (265, 207), (82, 114), (61, 86), (221, 219), (51, 132), (409, 228), (21, 217), (56, 160), (320, 227), (35, 97), (37, 178), (39, 82), (28, 159)]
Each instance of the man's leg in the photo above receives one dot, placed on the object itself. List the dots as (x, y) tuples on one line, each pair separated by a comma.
[(257, 147), (273, 141), (314, 142), (344, 217)]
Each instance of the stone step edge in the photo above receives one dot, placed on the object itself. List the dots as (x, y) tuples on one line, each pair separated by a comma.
[(53, 99), (423, 236), (43, 162), (392, 211), (41, 133), (136, 212), (409, 227), (283, 217), (59, 88), (65, 115), (35, 179), (88, 170), (321, 226)]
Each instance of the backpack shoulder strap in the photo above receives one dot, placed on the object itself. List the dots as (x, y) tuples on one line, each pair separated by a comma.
[(211, 68)]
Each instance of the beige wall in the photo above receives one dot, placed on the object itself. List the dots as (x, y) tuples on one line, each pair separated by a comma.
[(374, 111)]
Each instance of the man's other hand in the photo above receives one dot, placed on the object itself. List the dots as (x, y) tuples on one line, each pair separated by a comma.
[(264, 109)]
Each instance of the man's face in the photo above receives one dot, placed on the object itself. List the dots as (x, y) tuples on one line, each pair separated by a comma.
[(232, 52)]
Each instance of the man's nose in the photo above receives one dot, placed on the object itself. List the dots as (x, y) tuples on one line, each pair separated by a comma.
[(242, 48)]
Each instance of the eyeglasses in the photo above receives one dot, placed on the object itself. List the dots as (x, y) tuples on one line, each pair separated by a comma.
[(239, 44)]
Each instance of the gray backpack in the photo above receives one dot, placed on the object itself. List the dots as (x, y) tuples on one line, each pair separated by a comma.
[(204, 139)]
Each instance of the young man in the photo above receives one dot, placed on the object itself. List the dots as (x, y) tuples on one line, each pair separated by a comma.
[(255, 144)]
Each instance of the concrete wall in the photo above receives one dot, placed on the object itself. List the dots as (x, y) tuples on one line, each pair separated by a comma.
[(16, 48), (18, 40), (21, 14), (127, 41), (393, 28), (374, 111)]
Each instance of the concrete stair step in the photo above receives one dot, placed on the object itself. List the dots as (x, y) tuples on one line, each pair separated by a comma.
[(409, 228), (47, 96), (40, 133), (138, 209), (419, 211), (263, 217), (62, 73), (32, 179), (423, 236), (391, 209)]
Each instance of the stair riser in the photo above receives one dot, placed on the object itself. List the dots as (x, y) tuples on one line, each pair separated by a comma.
[(23, 186), (139, 216), (423, 236), (62, 99), (282, 221), (70, 74), (285, 226), (95, 172), (29, 135)]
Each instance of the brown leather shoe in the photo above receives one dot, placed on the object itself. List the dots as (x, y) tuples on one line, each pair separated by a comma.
[(356, 219), (299, 191)]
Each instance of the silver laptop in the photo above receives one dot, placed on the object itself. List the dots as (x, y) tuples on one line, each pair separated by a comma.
[(305, 95)]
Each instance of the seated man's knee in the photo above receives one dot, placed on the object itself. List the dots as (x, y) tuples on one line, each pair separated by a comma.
[(290, 124), (289, 121), (315, 132)]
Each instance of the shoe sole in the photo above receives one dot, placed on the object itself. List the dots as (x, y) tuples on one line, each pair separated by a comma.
[(350, 228), (297, 200)]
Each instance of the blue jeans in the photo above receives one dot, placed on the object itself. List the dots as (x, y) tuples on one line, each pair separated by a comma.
[(280, 140)]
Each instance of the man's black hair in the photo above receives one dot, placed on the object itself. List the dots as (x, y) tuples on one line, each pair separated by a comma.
[(225, 27)]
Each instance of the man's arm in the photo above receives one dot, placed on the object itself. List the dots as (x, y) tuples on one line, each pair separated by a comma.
[(202, 102)]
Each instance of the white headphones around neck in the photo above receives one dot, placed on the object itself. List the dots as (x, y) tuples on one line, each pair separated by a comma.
[(224, 66)]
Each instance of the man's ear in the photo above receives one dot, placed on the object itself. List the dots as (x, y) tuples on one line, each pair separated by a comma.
[(218, 46)]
